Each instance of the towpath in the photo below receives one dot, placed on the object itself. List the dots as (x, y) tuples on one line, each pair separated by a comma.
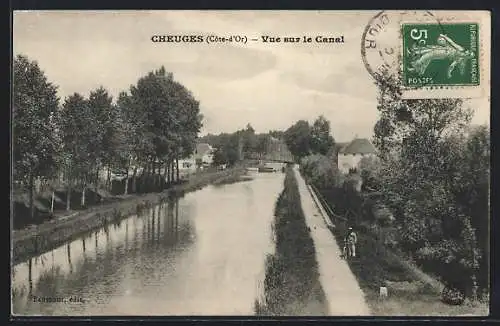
[(342, 290)]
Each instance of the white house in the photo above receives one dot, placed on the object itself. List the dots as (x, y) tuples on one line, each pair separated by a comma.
[(204, 153), (187, 164), (351, 154)]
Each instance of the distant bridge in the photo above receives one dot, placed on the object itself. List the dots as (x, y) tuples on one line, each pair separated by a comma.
[(276, 151), (272, 159), (279, 157), (278, 160)]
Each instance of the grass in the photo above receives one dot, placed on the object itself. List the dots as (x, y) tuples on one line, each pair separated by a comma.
[(420, 304), (411, 292), (232, 179), (291, 284)]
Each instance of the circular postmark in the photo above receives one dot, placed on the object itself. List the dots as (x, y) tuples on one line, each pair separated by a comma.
[(382, 40)]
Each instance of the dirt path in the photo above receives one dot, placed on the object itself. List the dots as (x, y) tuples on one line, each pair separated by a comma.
[(342, 291)]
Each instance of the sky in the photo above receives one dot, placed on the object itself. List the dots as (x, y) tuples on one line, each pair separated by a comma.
[(269, 85)]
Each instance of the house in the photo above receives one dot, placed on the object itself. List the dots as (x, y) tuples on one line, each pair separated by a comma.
[(351, 154), (204, 153), (187, 164)]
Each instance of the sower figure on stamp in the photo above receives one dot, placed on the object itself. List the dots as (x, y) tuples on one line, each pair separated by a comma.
[(350, 241), (446, 48)]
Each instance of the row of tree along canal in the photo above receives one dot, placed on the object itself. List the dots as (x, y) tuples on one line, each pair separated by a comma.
[(66, 147)]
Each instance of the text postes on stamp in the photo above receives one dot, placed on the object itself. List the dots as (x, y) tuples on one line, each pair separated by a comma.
[(440, 54)]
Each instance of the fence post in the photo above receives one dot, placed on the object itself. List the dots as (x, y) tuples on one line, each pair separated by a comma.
[(52, 202), (474, 288)]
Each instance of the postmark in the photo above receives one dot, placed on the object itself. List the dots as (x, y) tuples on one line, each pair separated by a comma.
[(434, 54), (380, 42)]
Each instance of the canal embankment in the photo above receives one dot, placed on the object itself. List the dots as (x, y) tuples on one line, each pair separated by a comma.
[(292, 286), (411, 292), (32, 241), (344, 295)]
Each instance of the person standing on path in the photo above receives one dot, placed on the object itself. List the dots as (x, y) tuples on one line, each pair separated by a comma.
[(350, 241)]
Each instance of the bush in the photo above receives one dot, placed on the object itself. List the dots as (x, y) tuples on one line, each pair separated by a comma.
[(452, 296), (369, 169), (430, 227), (321, 171), (382, 215)]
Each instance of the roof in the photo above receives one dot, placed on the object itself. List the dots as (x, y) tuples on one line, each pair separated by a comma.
[(359, 146), (341, 146), (203, 148)]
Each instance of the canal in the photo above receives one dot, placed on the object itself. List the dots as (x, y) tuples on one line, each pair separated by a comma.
[(201, 254)]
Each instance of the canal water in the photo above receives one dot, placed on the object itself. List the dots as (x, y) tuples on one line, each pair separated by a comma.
[(201, 254)]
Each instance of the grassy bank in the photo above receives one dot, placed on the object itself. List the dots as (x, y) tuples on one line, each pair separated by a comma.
[(411, 291), (291, 284), (33, 241)]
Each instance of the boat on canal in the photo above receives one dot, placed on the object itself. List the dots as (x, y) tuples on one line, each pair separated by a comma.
[(266, 169)]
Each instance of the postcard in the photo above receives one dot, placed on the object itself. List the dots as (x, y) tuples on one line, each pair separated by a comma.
[(250, 163)]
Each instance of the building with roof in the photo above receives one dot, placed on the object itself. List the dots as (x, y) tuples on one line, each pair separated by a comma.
[(204, 153), (351, 154)]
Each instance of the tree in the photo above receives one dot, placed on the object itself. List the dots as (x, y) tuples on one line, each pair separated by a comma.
[(160, 119), (321, 140), (35, 102), (278, 134), (298, 139), (471, 170), (190, 123), (107, 149), (422, 172), (133, 126), (262, 144), (228, 150), (249, 139), (369, 169), (321, 170), (170, 120), (78, 129), (220, 156), (157, 121), (402, 119)]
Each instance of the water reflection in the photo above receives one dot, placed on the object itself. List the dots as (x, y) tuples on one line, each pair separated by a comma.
[(95, 256), (200, 254)]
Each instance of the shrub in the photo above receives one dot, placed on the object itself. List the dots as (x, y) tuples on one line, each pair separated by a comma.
[(452, 296), (382, 215), (321, 171)]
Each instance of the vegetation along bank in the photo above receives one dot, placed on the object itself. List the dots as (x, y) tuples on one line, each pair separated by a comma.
[(291, 285), (33, 241)]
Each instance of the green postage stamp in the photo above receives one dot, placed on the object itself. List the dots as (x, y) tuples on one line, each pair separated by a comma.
[(440, 55)]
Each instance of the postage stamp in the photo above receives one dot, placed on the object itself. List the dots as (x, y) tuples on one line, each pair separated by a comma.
[(440, 54), (435, 54)]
